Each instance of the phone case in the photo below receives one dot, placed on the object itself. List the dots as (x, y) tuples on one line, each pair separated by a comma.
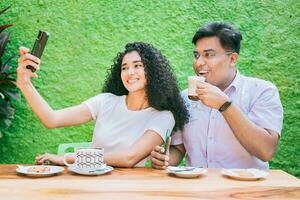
[(167, 145), (39, 46)]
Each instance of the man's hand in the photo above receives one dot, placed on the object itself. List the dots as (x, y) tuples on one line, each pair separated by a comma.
[(159, 160), (211, 95)]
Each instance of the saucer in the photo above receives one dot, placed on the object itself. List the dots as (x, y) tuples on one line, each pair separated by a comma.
[(104, 170), (39, 170), (245, 174), (186, 172)]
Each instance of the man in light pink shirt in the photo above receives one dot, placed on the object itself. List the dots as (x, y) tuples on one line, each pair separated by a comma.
[(236, 122)]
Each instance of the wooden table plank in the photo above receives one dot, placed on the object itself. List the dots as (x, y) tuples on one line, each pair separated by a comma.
[(145, 183)]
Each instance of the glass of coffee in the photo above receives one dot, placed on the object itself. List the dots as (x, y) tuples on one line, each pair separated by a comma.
[(192, 86)]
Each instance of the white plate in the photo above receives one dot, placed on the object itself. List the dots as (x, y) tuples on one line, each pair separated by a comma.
[(245, 174), (25, 170), (90, 173), (186, 172)]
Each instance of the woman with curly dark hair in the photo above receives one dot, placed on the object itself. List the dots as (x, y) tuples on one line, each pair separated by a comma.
[(161, 89), (140, 103)]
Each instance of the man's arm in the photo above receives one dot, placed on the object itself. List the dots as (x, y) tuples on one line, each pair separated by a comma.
[(256, 140)]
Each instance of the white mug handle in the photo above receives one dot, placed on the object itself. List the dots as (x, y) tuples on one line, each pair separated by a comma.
[(65, 160)]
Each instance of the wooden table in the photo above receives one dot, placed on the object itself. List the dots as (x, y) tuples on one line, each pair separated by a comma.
[(145, 183)]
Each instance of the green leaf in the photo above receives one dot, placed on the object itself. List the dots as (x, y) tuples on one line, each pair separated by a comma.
[(12, 95), (5, 9), (3, 27), (3, 41), (3, 67)]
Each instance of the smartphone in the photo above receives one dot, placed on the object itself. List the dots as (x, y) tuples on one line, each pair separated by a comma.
[(39, 46), (167, 145)]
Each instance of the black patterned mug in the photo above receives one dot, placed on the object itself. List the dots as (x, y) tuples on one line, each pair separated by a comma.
[(87, 159)]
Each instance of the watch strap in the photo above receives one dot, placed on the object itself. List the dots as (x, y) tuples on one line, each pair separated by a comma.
[(225, 106)]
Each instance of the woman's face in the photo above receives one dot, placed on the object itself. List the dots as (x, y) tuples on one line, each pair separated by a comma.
[(133, 72)]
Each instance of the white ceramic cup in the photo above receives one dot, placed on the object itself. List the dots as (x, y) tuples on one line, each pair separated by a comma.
[(192, 86), (87, 159)]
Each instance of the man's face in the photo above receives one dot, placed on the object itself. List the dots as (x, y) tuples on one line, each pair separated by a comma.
[(213, 62)]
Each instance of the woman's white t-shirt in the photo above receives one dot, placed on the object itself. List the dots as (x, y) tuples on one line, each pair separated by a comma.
[(117, 128)]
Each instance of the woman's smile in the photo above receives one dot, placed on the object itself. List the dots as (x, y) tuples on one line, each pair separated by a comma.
[(133, 80)]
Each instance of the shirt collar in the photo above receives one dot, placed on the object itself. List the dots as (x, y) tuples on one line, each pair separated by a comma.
[(235, 83)]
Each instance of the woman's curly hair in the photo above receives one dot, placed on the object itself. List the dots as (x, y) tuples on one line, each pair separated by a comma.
[(161, 88)]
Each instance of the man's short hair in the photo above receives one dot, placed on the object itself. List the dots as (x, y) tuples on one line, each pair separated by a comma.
[(229, 36)]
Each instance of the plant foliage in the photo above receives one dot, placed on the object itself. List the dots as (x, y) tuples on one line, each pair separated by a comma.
[(8, 90)]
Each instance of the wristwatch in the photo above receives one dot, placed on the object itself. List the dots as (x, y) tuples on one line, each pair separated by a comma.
[(225, 106)]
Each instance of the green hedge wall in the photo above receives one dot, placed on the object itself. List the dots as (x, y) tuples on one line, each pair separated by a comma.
[(87, 34)]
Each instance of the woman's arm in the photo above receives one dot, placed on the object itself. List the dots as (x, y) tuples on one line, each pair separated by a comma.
[(123, 158), (50, 118), (136, 152)]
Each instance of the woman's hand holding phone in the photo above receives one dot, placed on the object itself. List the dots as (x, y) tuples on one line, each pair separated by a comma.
[(26, 59), (29, 62), (160, 154), (159, 159)]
